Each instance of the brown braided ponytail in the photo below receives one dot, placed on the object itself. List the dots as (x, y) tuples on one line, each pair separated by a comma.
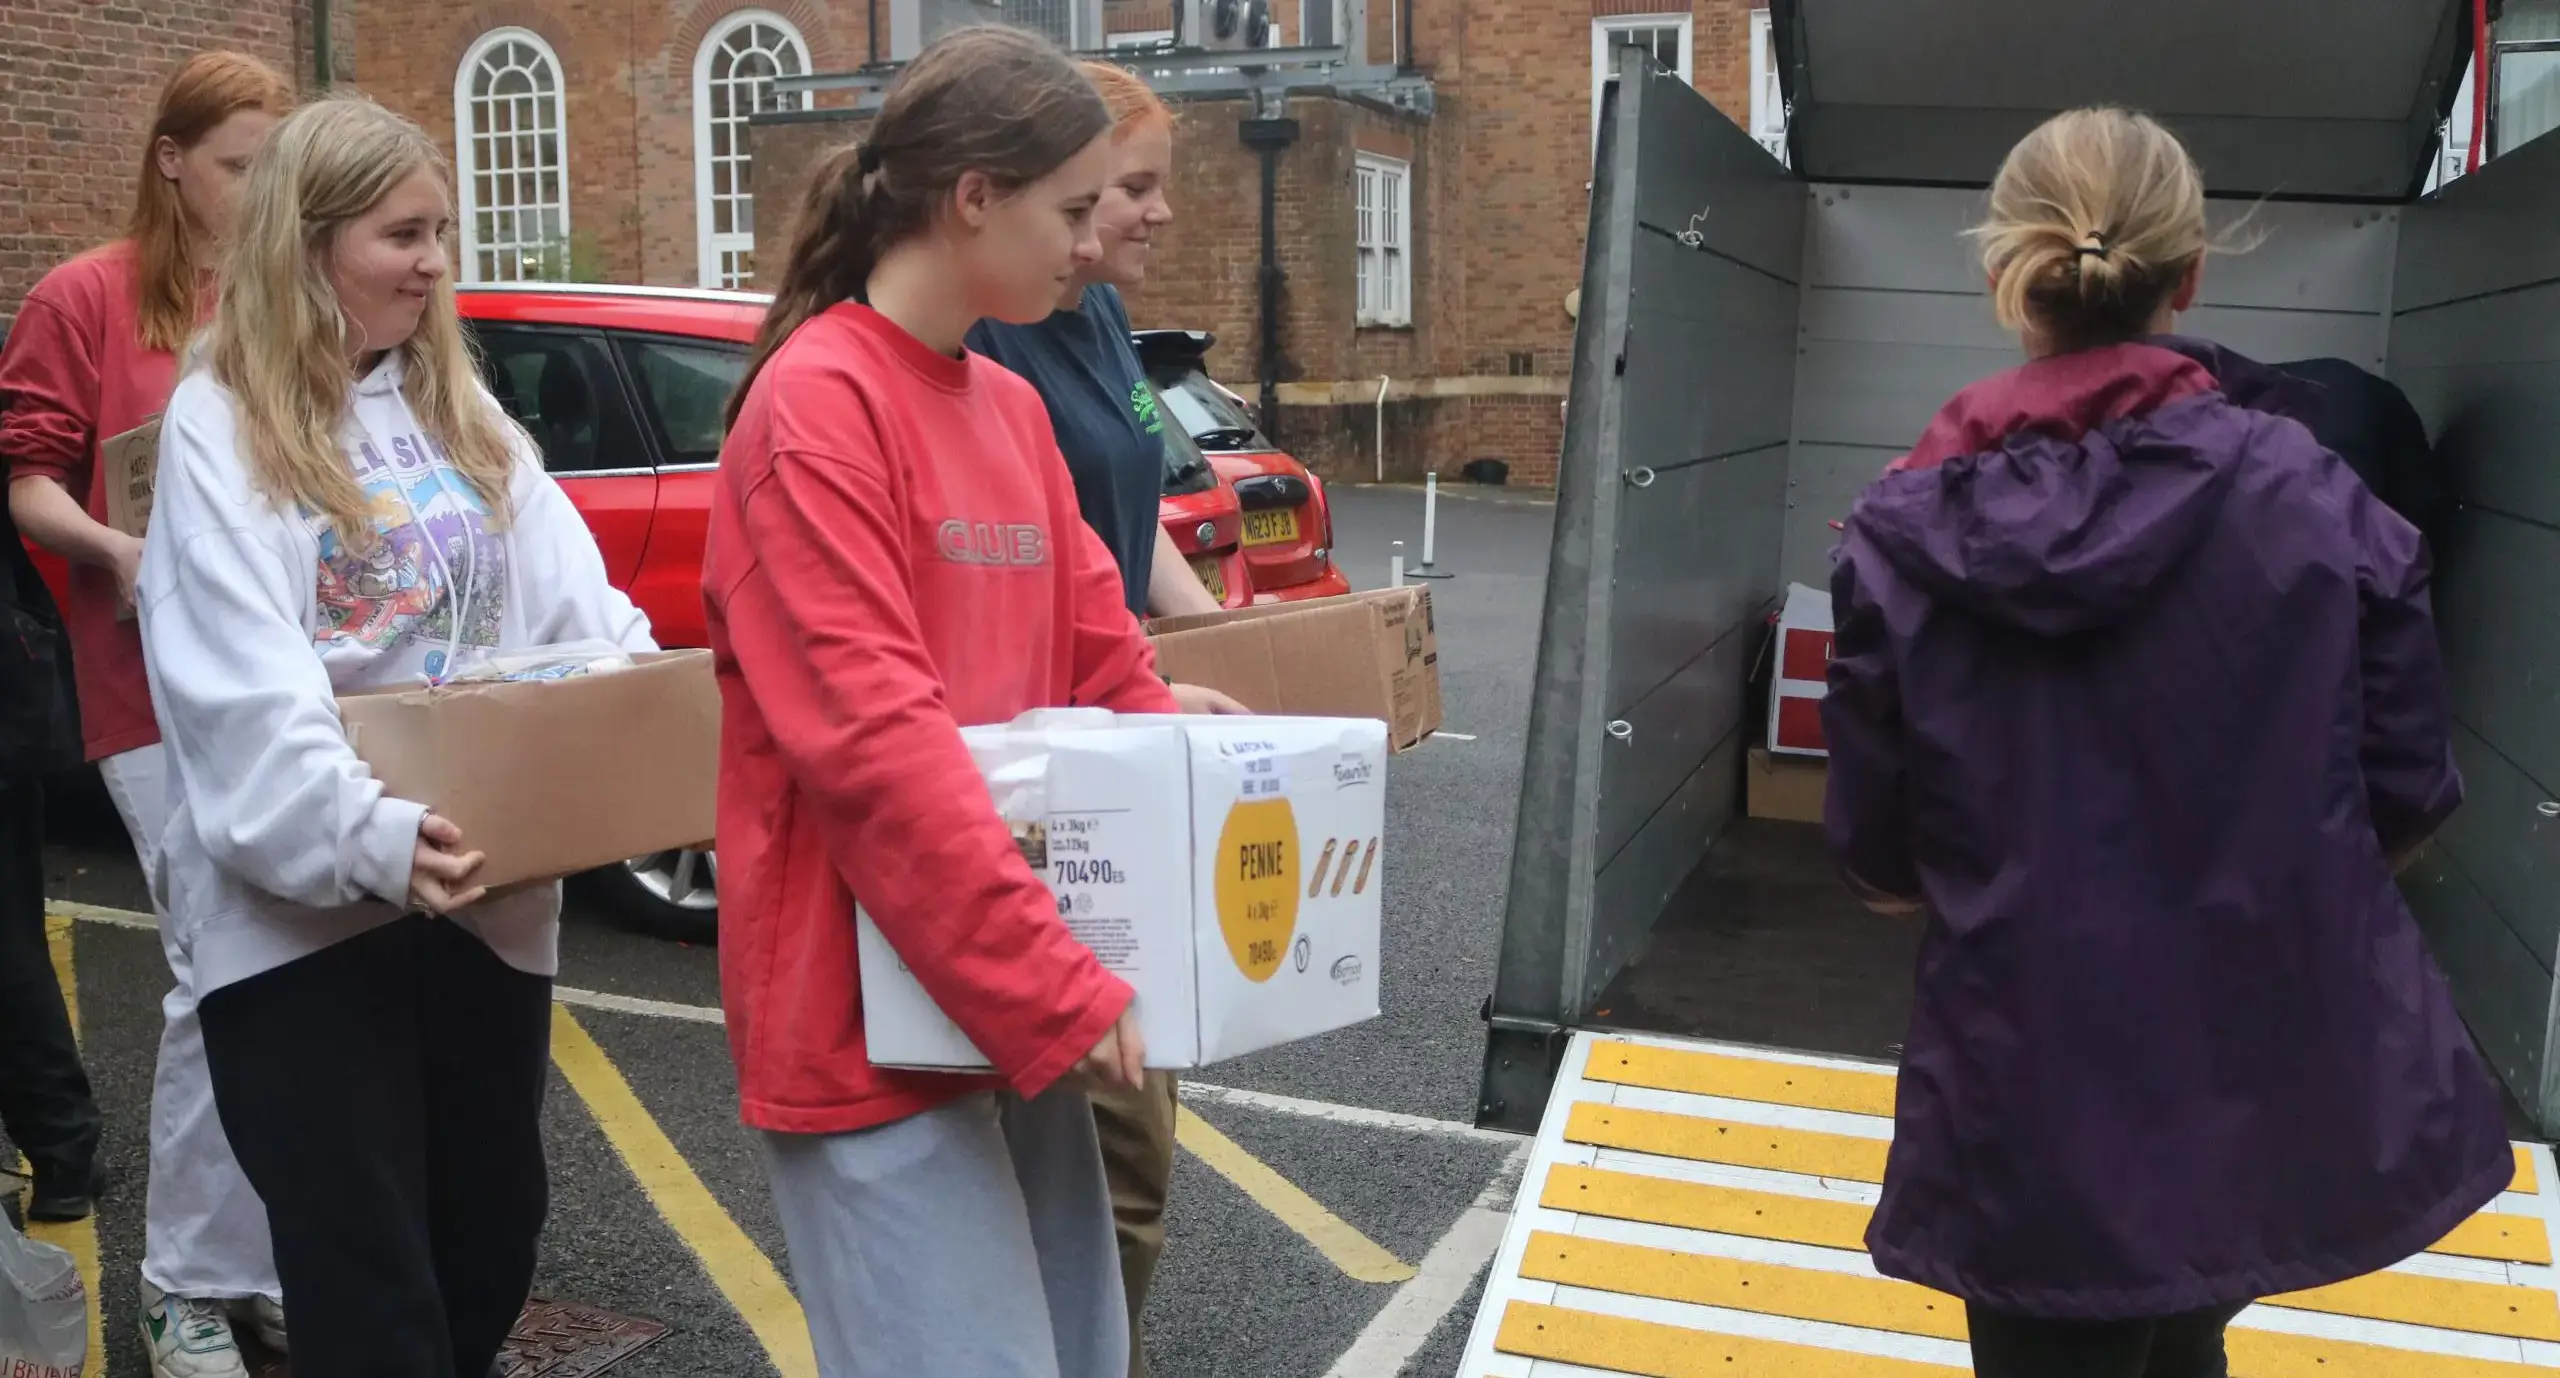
[(988, 98)]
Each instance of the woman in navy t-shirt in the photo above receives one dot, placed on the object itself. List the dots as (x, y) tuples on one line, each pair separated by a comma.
[(1112, 434)]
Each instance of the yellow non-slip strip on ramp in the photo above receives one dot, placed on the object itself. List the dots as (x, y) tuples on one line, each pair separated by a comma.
[(1804, 1151), (1874, 1303), (1654, 1350), (1741, 1078), (2527, 1179), (1837, 1224)]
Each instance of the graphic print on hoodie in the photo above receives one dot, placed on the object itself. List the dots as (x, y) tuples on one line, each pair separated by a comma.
[(2137, 687), (433, 558)]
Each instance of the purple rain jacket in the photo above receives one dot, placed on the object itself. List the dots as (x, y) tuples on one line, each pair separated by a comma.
[(2136, 688)]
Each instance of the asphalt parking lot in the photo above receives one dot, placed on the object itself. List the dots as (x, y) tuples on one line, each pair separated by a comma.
[(1332, 1209)]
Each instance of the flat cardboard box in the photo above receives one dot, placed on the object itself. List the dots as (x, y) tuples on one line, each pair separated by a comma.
[(1786, 788), (132, 463), (1363, 655), (1226, 868), (554, 777)]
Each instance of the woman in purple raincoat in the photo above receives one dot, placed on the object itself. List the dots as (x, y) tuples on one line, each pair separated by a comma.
[(2137, 700)]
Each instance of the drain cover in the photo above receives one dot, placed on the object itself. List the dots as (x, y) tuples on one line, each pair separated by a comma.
[(565, 1339), (552, 1339)]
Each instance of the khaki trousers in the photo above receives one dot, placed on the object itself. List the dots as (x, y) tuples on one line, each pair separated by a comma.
[(1136, 1129)]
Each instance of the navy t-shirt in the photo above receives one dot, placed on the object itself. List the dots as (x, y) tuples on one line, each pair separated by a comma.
[(1106, 418)]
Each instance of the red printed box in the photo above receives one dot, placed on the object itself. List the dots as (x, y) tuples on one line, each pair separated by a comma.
[(1804, 661)]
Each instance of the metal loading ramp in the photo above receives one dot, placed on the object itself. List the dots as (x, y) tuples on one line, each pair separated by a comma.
[(1699, 1210)]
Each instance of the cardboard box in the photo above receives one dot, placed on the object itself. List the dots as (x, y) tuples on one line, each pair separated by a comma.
[(1227, 868), (1802, 675), (552, 777), (132, 463), (1785, 788), (1363, 655)]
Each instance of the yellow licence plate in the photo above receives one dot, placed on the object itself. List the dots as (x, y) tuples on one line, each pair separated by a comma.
[(1210, 578), (1270, 528)]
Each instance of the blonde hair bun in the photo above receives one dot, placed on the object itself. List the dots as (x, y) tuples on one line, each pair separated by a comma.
[(2096, 219)]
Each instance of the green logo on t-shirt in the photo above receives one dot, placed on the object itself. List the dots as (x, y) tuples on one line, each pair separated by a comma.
[(1142, 399)]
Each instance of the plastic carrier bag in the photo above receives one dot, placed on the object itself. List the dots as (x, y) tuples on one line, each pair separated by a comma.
[(44, 1310)]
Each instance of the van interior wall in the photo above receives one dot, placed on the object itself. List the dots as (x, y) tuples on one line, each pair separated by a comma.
[(2475, 342), (1897, 319), (1665, 562)]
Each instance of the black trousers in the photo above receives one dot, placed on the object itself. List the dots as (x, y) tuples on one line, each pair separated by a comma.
[(2188, 1346), (44, 1094), (384, 1096)]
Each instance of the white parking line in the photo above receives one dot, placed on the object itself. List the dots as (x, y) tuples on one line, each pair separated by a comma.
[(710, 1014), (1404, 1324)]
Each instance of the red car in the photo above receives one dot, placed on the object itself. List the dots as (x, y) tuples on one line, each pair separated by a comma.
[(1288, 528)]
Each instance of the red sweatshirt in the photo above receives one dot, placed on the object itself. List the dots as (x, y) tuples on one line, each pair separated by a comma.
[(895, 551), (74, 375)]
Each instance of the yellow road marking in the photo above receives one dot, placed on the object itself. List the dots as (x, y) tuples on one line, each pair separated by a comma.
[(79, 1238), (737, 1267), (2486, 1308), (1805, 1294), (2527, 1180), (1741, 1078), (1654, 1350), (1697, 1206), (1351, 1251), (2499, 1238), (1717, 1141)]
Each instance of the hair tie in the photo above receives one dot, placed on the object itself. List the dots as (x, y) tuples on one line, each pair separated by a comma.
[(2094, 244)]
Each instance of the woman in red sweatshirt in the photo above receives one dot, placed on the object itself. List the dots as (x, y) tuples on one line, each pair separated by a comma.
[(895, 552), (92, 355)]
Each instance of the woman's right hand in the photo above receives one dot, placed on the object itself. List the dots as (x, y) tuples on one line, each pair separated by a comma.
[(1118, 1059), (124, 560), (440, 869)]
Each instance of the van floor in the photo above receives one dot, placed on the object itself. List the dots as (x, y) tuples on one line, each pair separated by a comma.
[(1764, 945)]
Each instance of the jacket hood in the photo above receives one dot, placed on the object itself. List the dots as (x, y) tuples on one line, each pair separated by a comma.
[(2056, 496)]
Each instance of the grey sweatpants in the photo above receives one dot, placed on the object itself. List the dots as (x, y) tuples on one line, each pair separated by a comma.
[(974, 1239)]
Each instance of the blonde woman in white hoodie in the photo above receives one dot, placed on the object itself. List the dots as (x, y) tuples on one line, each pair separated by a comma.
[(341, 506)]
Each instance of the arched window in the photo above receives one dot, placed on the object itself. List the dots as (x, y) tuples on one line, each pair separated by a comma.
[(511, 138), (733, 78)]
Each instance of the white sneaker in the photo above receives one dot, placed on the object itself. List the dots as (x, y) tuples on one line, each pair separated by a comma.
[(188, 1337), (265, 1316)]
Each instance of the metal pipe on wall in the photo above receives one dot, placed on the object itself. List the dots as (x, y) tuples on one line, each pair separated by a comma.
[(1268, 136), (323, 49)]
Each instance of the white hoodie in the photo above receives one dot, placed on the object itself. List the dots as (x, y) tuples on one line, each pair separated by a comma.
[(254, 620)]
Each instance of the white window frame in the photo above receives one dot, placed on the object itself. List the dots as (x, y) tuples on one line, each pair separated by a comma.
[(1341, 22), (467, 153), (1768, 95), (709, 245), (1382, 276), (1601, 68)]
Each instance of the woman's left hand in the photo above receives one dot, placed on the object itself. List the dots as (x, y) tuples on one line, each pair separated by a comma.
[(1200, 698)]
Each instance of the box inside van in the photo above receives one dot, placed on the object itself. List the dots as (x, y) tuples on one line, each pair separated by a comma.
[(1758, 340)]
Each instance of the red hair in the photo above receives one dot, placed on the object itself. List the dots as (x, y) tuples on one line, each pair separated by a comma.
[(205, 90), (1131, 100)]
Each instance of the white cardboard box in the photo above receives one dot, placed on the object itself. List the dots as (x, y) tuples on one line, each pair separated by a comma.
[(1226, 868), (1797, 687)]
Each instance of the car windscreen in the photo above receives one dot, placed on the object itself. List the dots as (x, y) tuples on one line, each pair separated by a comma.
[(1186, 470), (1212, 418)]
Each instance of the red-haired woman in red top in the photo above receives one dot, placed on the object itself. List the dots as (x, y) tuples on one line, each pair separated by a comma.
[(92, 355), (896, 551)]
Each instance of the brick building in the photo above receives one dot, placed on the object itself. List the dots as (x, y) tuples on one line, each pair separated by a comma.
[(611, 140), (71, 126)]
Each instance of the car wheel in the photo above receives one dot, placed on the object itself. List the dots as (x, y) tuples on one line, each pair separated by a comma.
[(673, 894)]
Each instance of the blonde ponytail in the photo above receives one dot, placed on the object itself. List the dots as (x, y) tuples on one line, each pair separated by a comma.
[(2096, 219)]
